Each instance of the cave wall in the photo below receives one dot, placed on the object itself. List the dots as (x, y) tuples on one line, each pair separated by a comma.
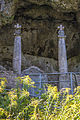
[(39, 20)]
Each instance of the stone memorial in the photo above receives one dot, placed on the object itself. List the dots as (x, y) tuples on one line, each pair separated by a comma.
[(17, 50), (62, 59), (39, 77)]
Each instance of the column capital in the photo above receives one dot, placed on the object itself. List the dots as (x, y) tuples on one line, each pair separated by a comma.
[(17, 26), (61, 32), (17, 30)]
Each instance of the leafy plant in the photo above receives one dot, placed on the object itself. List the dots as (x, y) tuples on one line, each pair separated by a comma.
[(53, 105)]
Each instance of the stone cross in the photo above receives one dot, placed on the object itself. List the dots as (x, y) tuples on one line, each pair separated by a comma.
[(61, 27), (2, 4), (61, 31), (62, 57), (17, 50)]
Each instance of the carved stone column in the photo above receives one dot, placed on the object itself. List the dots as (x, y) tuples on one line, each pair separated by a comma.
[(17, 50), (62, 58)]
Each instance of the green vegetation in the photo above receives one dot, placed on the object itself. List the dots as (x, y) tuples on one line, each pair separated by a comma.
[(16, 104)]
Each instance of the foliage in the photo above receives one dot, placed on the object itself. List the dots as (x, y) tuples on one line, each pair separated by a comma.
[(17, 104)]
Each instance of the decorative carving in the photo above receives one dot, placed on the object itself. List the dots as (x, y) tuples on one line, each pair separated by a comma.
[(17, 29), (61, 31)]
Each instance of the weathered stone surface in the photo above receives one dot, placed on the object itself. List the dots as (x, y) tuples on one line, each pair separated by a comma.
[(59, 5), (17, 50), (7, 12), (74, 64), (10, 77), (45, 64), (38, 76), (62, 58), (2, 68)]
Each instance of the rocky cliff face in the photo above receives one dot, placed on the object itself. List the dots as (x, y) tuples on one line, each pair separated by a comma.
[(39, 20)]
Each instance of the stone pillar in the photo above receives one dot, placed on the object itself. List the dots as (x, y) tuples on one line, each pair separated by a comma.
[(17, 50), (62, 58)]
